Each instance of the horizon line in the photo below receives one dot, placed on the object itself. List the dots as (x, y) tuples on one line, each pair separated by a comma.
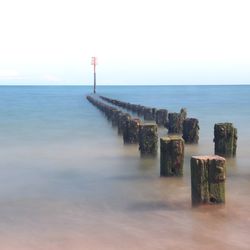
[(108, 84)]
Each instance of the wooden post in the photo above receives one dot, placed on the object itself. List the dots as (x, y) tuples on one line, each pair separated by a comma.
[(172, 156), (131, 132), (225, 139), (110, 112), (175, 123), (191, 130), (148, 139), (154, 110), (125, 117), (116, 118), (208, 174), (161, 117), (183, 113), (140, 111), (134, 107), (149, 114)]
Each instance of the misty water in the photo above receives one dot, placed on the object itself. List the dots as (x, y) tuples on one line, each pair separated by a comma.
[(68, 182)]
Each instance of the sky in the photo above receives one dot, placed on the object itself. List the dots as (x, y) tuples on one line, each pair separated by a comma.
[(135, 41)]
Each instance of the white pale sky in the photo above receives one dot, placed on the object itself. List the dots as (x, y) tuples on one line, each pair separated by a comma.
[(136, 41)]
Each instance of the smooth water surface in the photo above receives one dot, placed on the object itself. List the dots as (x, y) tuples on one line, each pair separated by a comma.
[(68, 182)]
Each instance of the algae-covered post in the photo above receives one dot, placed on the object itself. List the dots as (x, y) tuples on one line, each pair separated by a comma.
[(225, 139), (110, 112), (161, 117), (148, 139), (122, 123), (191, 130), (172, 156), (175, 123), (208, 175), (131, 131), (115, 116)]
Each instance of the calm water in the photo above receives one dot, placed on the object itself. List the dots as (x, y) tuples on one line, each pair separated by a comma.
[(68, 182)]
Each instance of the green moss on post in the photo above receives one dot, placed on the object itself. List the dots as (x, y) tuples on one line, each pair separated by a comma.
[(225, 139), (131, 131), (148, 139), (191, 130), (172, 156), (208, 174)]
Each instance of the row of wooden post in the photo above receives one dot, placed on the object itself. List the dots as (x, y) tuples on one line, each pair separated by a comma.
[(208, 173), (176, 123), (225, 135), (132, 129)]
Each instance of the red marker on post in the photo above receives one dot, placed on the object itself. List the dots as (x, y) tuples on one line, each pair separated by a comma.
[(94, 63)]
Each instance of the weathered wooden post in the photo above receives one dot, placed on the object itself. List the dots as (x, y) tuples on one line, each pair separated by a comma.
[(126, 105), (129, 106), (140, 111), (115, 117), (149, 114), (208, 175), (133, 107), (131, 132), (161, 117), (225, 139), (125, 117), (172, 156), (148, 139), (136, 108), (110, 112), (183, 113), (175, 123), (154, 110), (191, 130)]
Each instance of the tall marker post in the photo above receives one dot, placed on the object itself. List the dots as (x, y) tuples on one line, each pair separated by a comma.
[(94, 63)]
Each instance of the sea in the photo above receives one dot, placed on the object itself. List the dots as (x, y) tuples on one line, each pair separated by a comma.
[(67, 181)]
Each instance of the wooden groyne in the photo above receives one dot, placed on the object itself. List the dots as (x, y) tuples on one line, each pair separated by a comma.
[(208, 173), (160, 116), (148, 113), (123, 121), (132, 129), (176, 123)]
